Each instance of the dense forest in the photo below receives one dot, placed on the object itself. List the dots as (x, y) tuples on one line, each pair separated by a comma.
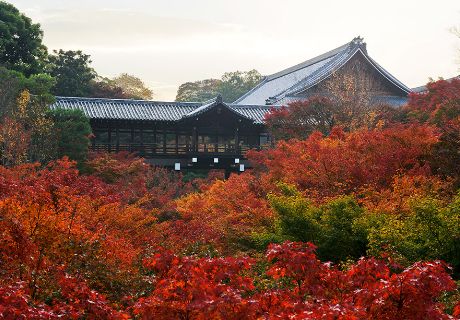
[(353, 214)]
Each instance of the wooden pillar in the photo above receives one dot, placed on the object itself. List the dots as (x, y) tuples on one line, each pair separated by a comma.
[(237, 138), (177, 141), (93, 139), (164, 141), (142, 139), (110, 137), (117, 137), (187, 144), (194, 140), (132, 139), (142, 136), (154, 150)]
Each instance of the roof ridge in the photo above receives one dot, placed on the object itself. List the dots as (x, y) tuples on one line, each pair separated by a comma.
[(209, 105), (305, 64), (333, 65), (336, 64), (129, 100), (248, 106), (310, 62)]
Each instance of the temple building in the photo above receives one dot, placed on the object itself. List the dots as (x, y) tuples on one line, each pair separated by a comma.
[(316, 77), (215, 134), (179, 135)]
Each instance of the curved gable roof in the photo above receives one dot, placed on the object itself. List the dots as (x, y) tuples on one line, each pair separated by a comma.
[(211, 104), (276, 87)]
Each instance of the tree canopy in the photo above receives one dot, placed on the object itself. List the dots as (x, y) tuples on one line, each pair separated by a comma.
[(231, 86), (21, 47), (132, 87), (72, 130), (72, 72), (198, 91)]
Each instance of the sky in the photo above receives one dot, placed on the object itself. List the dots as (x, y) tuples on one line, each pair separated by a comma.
[(169, 42)]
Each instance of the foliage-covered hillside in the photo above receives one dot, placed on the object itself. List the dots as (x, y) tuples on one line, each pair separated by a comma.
[(361, 224)]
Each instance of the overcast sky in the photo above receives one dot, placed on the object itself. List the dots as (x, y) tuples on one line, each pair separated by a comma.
[(169, 42)]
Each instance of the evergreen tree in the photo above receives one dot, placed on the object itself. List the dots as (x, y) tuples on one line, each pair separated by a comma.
[(73, 73), (21, 47)]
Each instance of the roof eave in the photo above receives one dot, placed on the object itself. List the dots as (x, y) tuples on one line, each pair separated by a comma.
[(380, 69)]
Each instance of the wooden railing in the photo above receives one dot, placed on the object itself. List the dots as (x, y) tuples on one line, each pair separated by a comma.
[(181, 149)]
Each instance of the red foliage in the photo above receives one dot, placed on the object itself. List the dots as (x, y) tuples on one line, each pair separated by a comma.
[(297, 261), (71, 240), (439, 98), (457, 310), (300, 118), (301, 287), (15, 304), (440, 105), (345, 162), (404, 189), (53, 216), (189, 288), (136, 181), (76, 301)]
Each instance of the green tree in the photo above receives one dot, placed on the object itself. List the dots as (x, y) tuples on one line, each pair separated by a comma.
[(235, 84), (334, 227), (430, 231), (342, 236), (12, 83), (133, 87), (73, 73), (21, 47), (26, 132), (231, 86), (198, 91), (72, 129)]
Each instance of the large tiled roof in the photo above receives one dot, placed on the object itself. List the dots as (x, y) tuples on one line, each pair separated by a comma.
[(125, 109), (278, 87)]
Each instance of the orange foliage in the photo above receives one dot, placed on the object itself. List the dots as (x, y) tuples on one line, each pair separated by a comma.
[(403, 191), (343, 163), (52, 216), (223, 216)]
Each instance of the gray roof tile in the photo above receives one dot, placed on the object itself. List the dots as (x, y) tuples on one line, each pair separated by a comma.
[(121, 109), (275, 88)]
